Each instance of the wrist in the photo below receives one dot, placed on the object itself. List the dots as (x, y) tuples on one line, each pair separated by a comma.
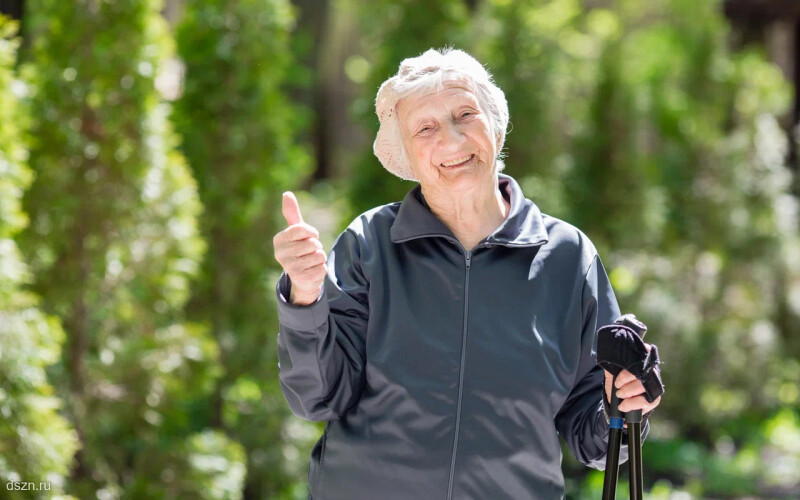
[(302, 297)]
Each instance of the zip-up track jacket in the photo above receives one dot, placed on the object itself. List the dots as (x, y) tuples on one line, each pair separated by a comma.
[(446, 373)]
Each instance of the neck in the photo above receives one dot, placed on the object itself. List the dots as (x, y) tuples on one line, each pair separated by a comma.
[(470, 216)]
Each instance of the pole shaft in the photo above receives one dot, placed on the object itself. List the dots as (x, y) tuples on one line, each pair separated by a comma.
[(635, 455), (614, 442), (612, 464)]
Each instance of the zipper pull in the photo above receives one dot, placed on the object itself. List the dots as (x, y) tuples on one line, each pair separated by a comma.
[(469, 257)]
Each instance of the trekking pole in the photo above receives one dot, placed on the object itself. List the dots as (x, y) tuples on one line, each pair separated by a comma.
[(634, 421), (614, 441), (620, 346)]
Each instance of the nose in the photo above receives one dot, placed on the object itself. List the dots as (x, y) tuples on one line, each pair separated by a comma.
[(452, 138)]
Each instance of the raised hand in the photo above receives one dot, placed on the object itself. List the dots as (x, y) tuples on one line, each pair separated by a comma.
[(300, 253)]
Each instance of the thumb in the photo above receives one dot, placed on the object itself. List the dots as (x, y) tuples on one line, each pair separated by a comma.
[(291, 209)]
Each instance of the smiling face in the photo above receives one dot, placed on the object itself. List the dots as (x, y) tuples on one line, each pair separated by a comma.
[(448, 139)]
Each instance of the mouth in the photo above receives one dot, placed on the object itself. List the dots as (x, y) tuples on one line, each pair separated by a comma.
[(461, 162)]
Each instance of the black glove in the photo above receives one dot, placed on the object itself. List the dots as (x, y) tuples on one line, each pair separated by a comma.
[(619, 348)]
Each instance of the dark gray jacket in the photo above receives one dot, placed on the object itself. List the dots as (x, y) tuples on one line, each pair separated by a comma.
[(444, 373)]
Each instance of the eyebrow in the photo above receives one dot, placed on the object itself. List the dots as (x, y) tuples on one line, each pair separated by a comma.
[(420, 120)]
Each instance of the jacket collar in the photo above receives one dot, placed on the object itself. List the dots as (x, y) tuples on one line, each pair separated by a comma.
[(523, 226)]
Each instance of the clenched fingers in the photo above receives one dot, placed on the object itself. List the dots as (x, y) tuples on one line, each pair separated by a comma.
[(310, 277), (638, 403), (630, 390), (296, 265), (294, 249), (296, 232), (624, 378)]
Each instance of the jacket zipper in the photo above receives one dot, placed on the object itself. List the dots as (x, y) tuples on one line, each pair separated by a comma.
[(467, 261)]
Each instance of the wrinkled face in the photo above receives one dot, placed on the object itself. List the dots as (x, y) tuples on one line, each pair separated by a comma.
[(448, 138)]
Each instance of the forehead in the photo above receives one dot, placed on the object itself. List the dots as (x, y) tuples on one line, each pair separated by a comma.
[(452, 93)]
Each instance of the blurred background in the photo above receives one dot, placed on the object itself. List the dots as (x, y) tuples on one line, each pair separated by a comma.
[(145, 144)]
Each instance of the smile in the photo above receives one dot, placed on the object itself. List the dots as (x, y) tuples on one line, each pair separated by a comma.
[(458, 162)]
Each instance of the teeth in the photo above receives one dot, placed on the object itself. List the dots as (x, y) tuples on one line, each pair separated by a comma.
[(457, 161)]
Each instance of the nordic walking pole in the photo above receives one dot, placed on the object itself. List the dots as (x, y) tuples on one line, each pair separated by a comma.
[(614, 441), (634, 421), (620, 347), (635, 450)]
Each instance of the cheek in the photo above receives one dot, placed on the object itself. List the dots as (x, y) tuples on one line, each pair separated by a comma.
[(486, 143), (418, 156), (422, 155), (482, 135), (491, 140)]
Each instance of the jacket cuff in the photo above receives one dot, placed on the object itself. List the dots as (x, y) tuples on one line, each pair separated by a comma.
[(299, 317)]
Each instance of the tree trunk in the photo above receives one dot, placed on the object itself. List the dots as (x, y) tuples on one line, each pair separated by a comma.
[(12, 8)]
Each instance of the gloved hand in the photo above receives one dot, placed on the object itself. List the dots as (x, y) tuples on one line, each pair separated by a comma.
[(622, 352)]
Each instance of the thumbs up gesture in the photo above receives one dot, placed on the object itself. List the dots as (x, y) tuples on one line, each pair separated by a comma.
[(300, 253)]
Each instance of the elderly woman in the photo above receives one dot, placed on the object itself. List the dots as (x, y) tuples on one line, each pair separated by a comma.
[(446, 340)]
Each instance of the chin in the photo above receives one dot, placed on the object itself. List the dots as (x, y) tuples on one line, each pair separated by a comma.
[(464, 178)]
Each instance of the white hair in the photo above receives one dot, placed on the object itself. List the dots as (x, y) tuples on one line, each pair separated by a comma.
[(427, 73)]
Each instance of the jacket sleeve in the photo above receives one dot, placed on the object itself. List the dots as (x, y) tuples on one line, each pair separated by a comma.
[(321, 346), (582, 422)]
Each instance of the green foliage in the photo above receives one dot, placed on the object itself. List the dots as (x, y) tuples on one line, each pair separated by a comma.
[(761, 464), (539, 59), (113, 245), (240, 135), (218, 469), (36, 443)]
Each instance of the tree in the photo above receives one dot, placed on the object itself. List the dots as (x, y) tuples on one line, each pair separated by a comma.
[(240, 134), (36, 443), (113, 245)]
